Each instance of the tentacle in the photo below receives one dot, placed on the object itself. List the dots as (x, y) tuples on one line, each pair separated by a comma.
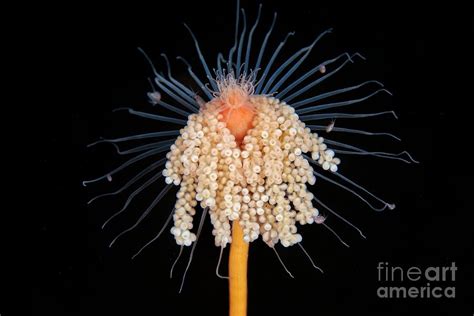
[(201, 224), (177, 98), (351, 131), (389, 205), (132, 196), (241, 42), (125, 165), (201, 57), (295, 66), (136, 137), (264, 45), (359, 151), (173, 108), (309, 257), (249, 41), (340, 91), (316, 117), (153, 116), (270, 63), (317, 174), (220, 58), (236, 37), (219, 264), (140, 175), (144, 214), (176, 260), (157, 235), (195, 78), (336, 234), (339, 216), (318, 68), (160, 79), (188, 92), (282, 263), (331, 105), (164, 144), (319, 80)]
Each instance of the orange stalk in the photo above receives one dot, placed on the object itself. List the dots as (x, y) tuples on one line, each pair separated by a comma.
[(238, 258)]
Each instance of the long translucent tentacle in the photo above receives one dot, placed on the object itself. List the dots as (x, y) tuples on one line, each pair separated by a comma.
[(359, 151), (309, 257), (195, 78), (264, 45), (153, 116), (236, 37), (132, 196), (282, 263), (316, 117), (188, 92), (340, 91), (333, 104), (136, 178), (136, 137), (203, 61), (161, 144), (219, 264), (241, 43), (201, 224), (160, 79), (168, 220), (340, 217), (125, 165), (319, 80), (270, 63), (249, 41), (307, 51), (318, 68), (145, 213), (317, 174), (336, 234), (176, 260), (351, 131)]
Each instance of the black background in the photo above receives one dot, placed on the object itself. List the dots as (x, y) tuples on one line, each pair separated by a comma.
[(421, 54)]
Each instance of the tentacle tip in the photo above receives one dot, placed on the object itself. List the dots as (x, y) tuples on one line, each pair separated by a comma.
[(395, 115), (121, 109), (391, 206), (379, 83), (390, 93), (412, 159), (84, 184), (358, 55)]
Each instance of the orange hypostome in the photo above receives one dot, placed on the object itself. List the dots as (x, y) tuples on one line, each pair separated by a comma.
[(237, 111), (238, 120)]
